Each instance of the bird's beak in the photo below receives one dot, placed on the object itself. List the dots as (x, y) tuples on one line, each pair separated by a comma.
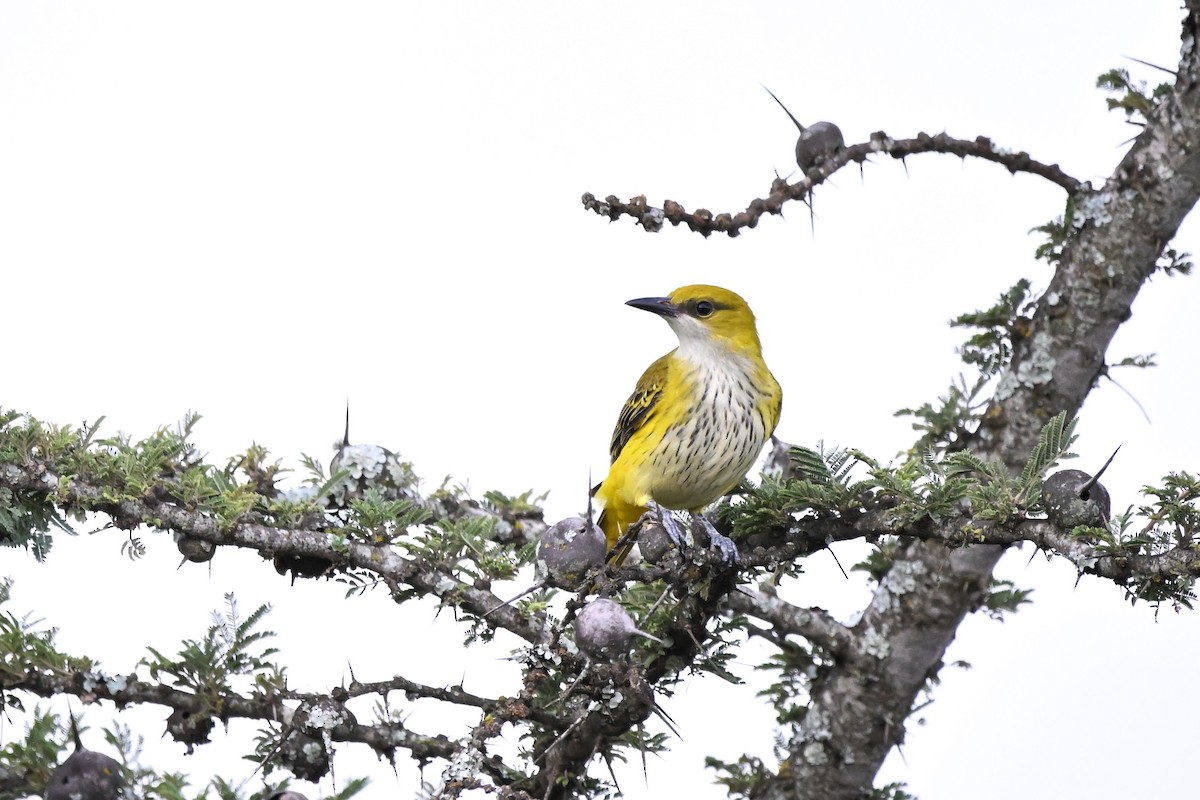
[(659, 305)]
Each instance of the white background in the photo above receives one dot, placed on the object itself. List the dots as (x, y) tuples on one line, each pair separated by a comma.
[(257, 210)]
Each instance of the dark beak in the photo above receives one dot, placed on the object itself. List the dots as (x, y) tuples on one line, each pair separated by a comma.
[(658, 305)]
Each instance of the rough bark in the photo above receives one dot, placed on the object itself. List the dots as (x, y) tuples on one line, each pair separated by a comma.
[(858, 708), (860, 700)]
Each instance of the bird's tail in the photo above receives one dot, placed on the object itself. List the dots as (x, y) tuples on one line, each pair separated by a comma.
[(614, 521)]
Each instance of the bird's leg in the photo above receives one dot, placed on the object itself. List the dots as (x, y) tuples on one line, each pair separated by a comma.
[(729, 551), (671, 525)]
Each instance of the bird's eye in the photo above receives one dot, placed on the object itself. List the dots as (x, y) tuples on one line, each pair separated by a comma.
[(704, 309)]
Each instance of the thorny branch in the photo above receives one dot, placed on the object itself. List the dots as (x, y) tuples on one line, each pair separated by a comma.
[(856, 716), (814, 624), (126, 691), (938, 574), (584, 731), (704, 222), (381, 560), (810, 535)]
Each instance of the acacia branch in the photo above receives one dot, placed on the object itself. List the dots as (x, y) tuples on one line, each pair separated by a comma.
[(1181, 561), (606, 717), (592, 730), (693, 613), (383, 737), (856, 716), (814, 624), (704, 222), (1121, 566), (81, 493), (453, 694)]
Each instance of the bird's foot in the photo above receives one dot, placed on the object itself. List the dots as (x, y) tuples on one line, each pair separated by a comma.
[(729, 551), (675, 531)]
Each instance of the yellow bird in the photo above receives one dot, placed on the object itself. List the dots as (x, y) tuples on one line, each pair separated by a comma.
[(698, 419)]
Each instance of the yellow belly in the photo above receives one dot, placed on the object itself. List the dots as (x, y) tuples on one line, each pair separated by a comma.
[(700, 437)]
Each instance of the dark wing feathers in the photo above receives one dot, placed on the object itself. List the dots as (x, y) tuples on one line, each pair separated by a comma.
[(640, 405)]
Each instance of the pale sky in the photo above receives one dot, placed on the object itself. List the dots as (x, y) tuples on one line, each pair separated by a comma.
[(257, 210)]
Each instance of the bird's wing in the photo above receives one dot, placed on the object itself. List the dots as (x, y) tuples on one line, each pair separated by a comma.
[(776, 406), (640, 405)]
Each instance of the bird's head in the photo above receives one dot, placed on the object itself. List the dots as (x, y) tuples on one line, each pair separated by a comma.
[(706, 316)]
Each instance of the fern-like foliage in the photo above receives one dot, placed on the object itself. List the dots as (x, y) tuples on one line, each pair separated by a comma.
[(1054, 444), (228, 649), (991, 348), (1135, 98)]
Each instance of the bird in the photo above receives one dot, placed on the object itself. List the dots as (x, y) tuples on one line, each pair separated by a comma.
[(697, 420)]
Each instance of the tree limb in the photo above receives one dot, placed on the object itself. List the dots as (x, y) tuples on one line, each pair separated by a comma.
[(856, 716), (814, 624), (129, 690), (955, 532), (81, 493), (704, 222)]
